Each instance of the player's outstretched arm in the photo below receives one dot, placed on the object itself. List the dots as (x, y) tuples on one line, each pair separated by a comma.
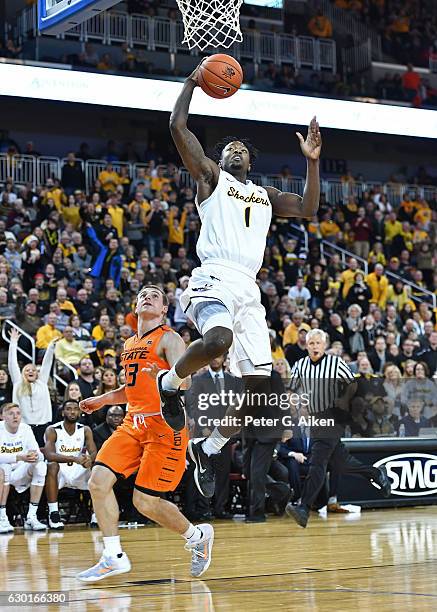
[(201, 168), (290, 204), (91, 404)]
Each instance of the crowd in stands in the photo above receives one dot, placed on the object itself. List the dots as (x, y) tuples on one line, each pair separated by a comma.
[(408, 31), (408, 28), (74, 256)]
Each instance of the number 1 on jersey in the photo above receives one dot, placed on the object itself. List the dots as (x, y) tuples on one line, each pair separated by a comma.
[(247, 216)]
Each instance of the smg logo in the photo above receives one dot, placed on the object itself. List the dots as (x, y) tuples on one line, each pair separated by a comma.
[(412, 474)]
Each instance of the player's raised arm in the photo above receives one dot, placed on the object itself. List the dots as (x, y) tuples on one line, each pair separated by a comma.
[(201, 168), (293, 205)]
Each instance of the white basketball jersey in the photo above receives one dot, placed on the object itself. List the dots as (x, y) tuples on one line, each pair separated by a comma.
[(235, 221), (13, 444), (69, 445)]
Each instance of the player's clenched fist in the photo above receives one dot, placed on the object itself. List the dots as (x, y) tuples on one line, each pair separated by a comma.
[(91, 404)]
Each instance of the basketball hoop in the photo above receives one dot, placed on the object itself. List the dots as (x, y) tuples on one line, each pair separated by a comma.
[(211, 23)]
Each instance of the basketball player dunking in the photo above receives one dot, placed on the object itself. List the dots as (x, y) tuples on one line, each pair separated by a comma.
[(222, 297), (144, 443)]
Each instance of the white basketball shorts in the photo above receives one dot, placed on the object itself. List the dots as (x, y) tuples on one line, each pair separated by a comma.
[(73, 476), (237, 290)]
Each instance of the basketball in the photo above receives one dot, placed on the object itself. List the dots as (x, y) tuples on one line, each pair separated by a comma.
[(220, 76)]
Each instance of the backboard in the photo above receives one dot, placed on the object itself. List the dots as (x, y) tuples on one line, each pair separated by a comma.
[(56, 16)]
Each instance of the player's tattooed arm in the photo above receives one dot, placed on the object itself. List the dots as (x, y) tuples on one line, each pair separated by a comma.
[(290, 204), (201, 168)]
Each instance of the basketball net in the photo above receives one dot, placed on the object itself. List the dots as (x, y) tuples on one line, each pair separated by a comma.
[(211, 23)]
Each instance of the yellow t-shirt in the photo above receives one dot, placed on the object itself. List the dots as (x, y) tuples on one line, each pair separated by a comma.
[(392, 229), (71, 214), (117, 216), (329, 228), (109, 180)]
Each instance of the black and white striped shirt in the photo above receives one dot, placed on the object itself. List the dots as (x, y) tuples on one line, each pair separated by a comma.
[(323, 381)]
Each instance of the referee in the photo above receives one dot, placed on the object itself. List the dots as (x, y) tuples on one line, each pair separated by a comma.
[(330, 385)]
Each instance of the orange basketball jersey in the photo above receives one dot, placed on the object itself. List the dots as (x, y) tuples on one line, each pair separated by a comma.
[(138, 353)]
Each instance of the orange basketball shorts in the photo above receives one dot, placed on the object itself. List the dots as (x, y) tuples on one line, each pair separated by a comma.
[(150, 447)]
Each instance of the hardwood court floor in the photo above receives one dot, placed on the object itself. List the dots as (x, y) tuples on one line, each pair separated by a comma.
[(377, 561)]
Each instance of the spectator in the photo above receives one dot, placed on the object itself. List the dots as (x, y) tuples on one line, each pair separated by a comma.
[(114, 418), (109, 178), (421, 388), (5, 387), (86, 381), (378, 284), (108, 383), (294, 352), (410, 83), (73, 392), (30, 387), (429, 355), (393, 387), (378, 356), (72, 176), (354, 324), (108, 260), (48, 333), (320, 26), (380, 424), (69, 350), (362, 229), (282, 367), (414, 420), (300, 294)]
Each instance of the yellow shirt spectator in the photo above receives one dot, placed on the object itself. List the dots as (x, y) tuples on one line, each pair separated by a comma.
[(329, 228), (378, 285), (45, 335), (399, 299), (392, 229), (98, 333), (71, 214), (117, 216), (145, 205), (423, 215), (109, 178), (348, 278), (70, 351), (176, 228), (158, 181), (379, 257), (57, 195), (320, 26)]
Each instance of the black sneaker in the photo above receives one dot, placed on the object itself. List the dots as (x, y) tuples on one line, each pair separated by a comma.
[(204, 475), (299, 513), (384, 482), (172, 407), (55, 521)]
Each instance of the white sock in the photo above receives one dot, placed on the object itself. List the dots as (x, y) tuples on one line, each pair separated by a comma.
[(214, 443), (193, 534), (112, 546), (3, 514), (171, 381), (53, 507), (332, 500), (32, 510)]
